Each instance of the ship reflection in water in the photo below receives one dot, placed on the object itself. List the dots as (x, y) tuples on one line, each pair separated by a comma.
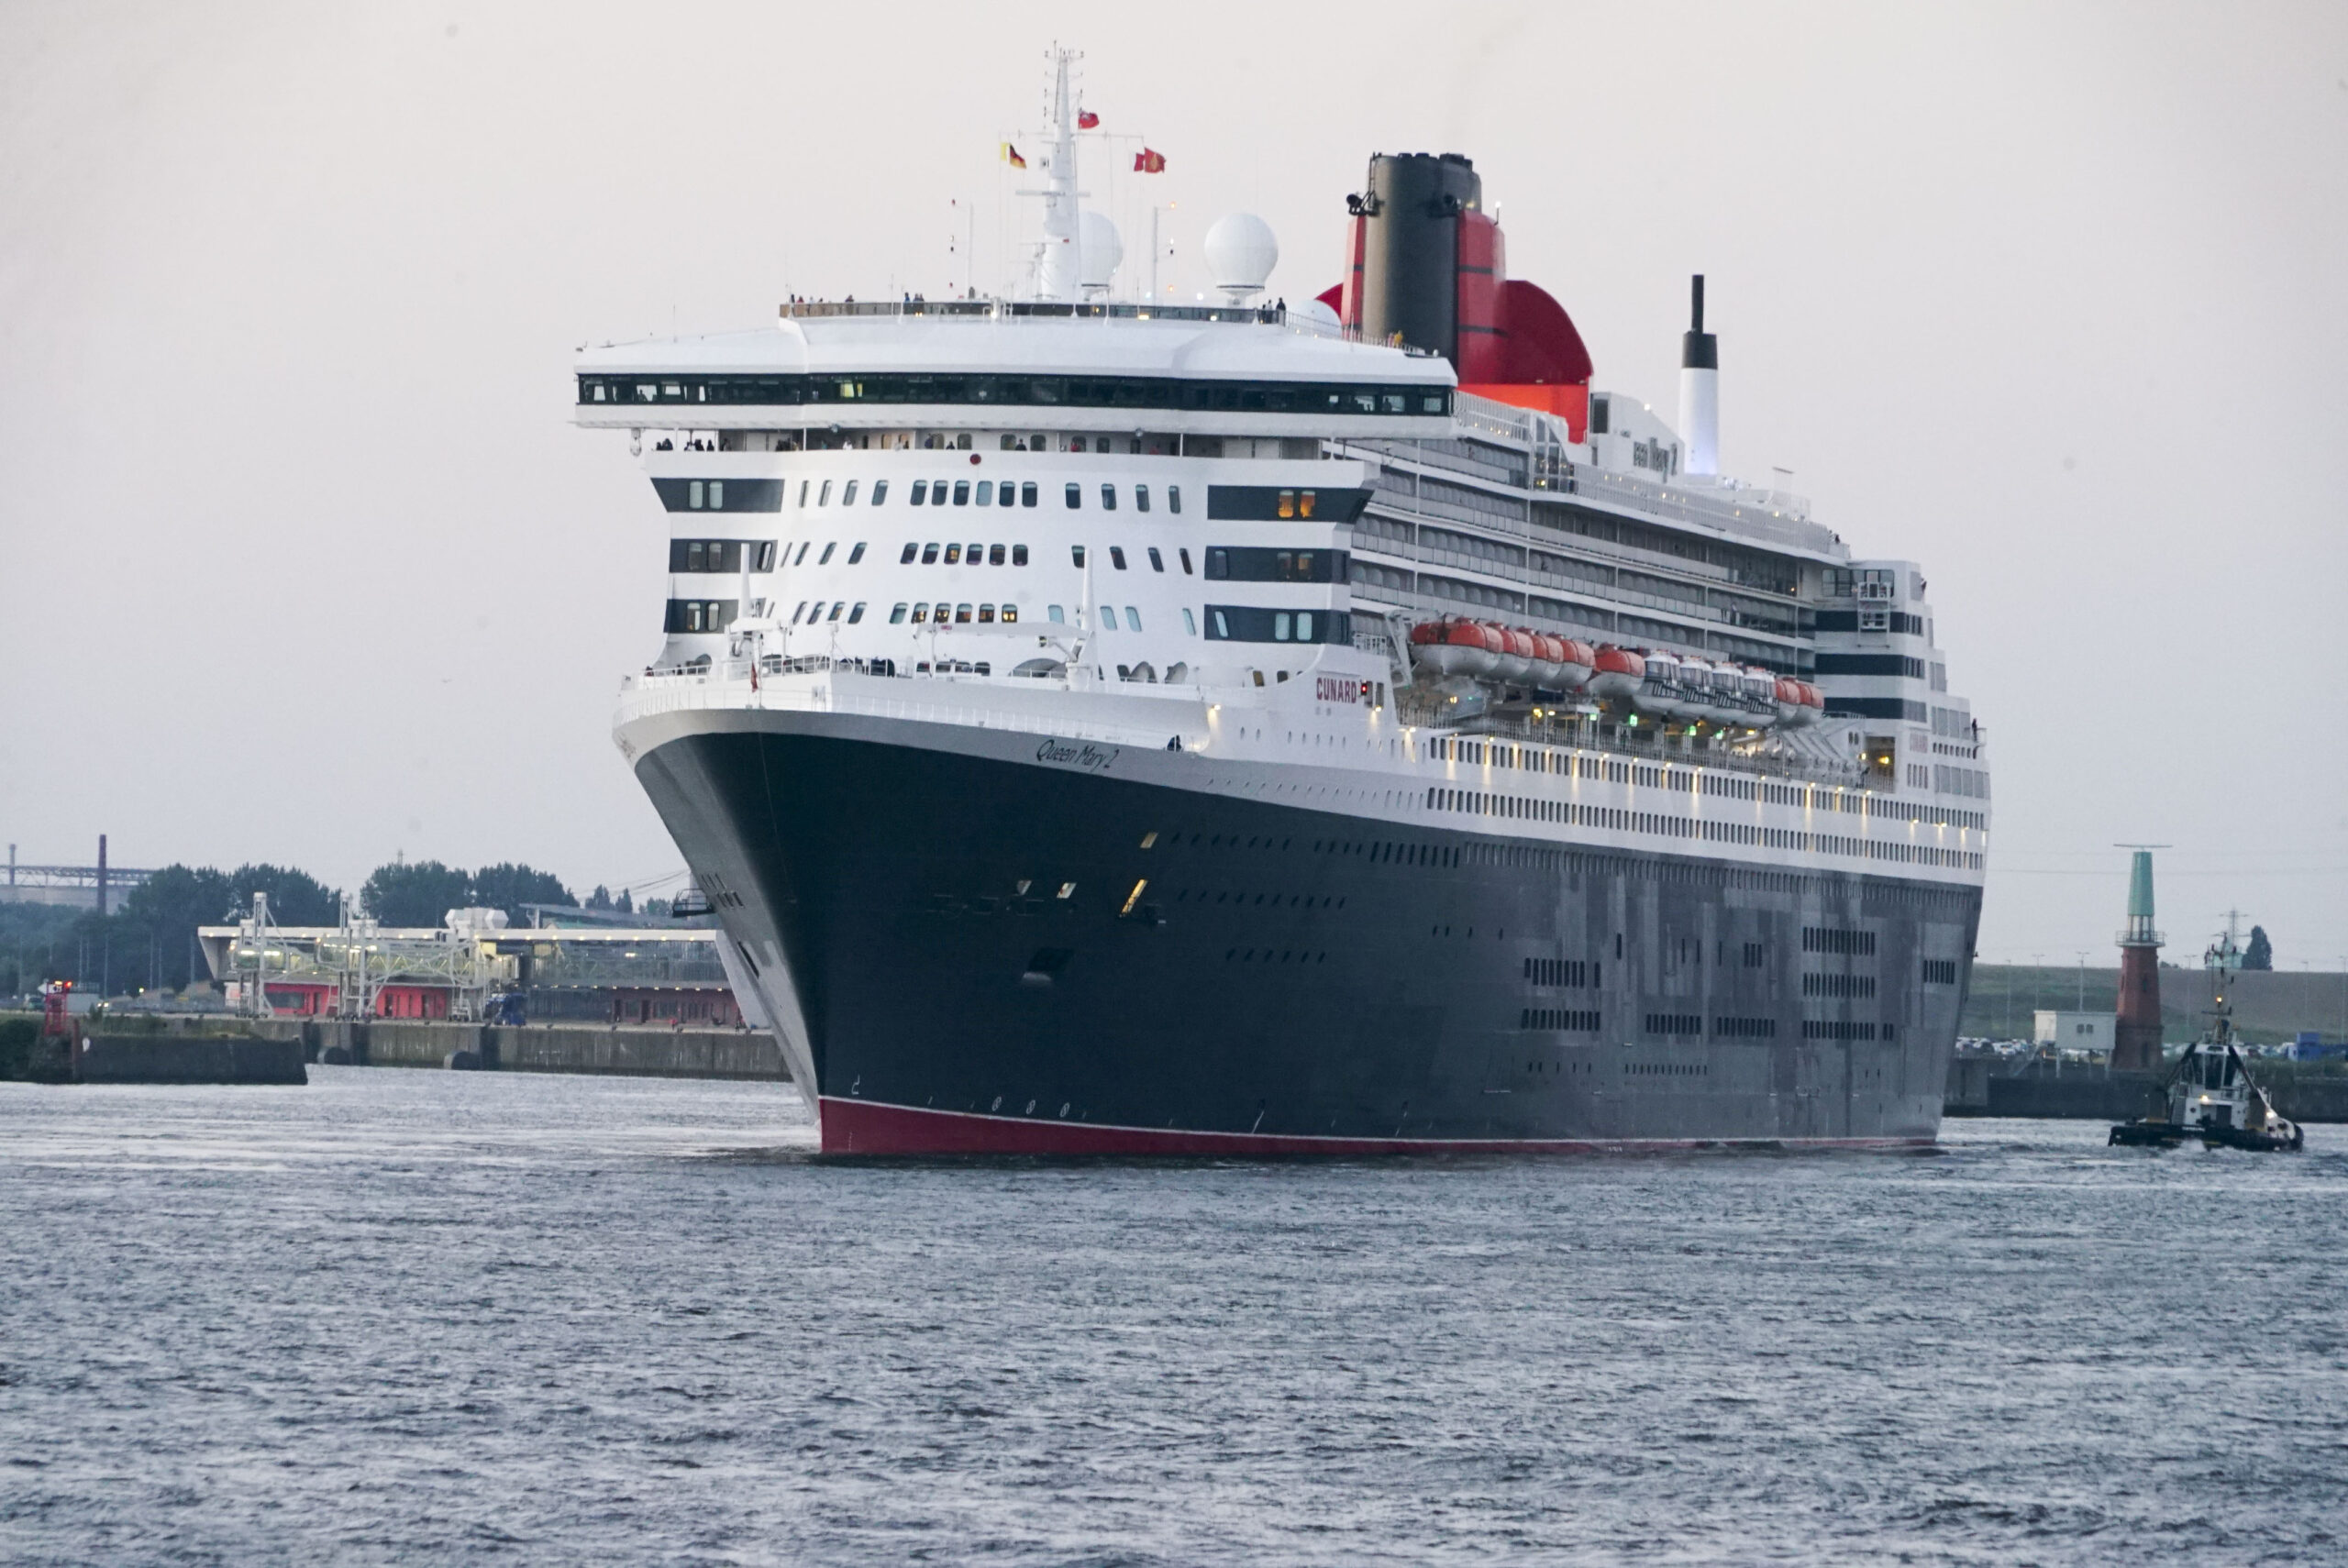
[(426, 1316)]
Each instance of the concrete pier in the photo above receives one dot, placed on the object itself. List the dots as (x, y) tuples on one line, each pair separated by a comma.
[(550, 1048)]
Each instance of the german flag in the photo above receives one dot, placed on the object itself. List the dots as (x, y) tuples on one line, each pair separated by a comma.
[(1011, 156), (1148, 162)]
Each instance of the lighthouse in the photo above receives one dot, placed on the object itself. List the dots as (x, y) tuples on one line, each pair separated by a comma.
[(2136, 1035)]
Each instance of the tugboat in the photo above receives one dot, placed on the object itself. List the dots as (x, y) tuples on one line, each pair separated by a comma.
[(2209, 1094)]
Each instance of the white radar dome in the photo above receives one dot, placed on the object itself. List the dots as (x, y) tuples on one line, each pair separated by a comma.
[(1103, 249), (1241, 254)]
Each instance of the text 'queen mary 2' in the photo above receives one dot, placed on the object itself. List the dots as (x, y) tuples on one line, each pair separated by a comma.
[(1104, 728)]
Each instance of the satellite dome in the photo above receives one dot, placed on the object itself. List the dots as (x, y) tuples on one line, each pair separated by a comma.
[(1316, 313), (1103, 250), (1241, 254)]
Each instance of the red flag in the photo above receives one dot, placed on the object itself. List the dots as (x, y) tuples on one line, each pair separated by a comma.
[(1148, 162), (1087, 121)]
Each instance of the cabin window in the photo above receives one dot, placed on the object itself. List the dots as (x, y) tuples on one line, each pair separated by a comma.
[(1109, 617), (837, 605), (994, 555), (930, 555), (694, 555), (880, 491), (1184, 557), (717, 496), (921, 613), (1174, 499), (1133, 619), (986, 615), (961, 614), (856, 552), (1075, 496), (1055, 615), (986, 492), (937, 493), (800, 560), (1141, 498), (856, 614), (692, 495), (1107, 498), (1077, 551), (1157, 562), (953, 555), (1002, 496), (1018, 555), (826, 559), (961, 492), (912, 550), (920, 489), (975, 554), (897, 614), (1010, 613), (1189, 626), (1026, 493), (1117, 557), (847, 496), (801, 611), (802, 493), (824, 496)]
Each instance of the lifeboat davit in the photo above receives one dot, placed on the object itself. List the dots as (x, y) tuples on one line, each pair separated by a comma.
[(1616, 672), (1576, 659), (1454, 647), (1515, 660), (1662, 691)]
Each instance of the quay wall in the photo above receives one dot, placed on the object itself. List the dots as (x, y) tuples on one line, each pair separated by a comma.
[(550, 1048), (1983, 1086)]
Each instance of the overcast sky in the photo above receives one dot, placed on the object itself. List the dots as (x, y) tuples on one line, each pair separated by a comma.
[(303, 562)]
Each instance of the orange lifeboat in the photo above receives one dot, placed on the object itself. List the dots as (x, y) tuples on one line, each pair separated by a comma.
[(1576, 659), (1616, 672), (1547, 665), (1798, 702), (1515, 661), (1454, 647)]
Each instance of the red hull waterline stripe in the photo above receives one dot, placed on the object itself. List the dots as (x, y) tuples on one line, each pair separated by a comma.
[(861, 1127)]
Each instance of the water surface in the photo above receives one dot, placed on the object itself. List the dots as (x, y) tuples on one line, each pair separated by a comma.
[(429, 1316)]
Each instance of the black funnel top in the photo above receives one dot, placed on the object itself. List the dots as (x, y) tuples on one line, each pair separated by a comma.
[(1699, 349)]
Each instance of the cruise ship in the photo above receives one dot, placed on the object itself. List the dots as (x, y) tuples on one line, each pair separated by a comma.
[(1108, 727)]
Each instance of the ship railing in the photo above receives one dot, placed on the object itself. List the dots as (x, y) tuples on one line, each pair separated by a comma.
[(1583, 733), (1042, 310)]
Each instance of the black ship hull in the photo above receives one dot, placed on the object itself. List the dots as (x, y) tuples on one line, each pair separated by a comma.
[(995, 944)]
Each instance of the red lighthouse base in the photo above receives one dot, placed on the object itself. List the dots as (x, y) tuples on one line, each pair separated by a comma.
[(2136, 1035)]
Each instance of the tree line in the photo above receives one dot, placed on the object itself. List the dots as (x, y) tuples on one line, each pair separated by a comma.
[(149, 940)]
